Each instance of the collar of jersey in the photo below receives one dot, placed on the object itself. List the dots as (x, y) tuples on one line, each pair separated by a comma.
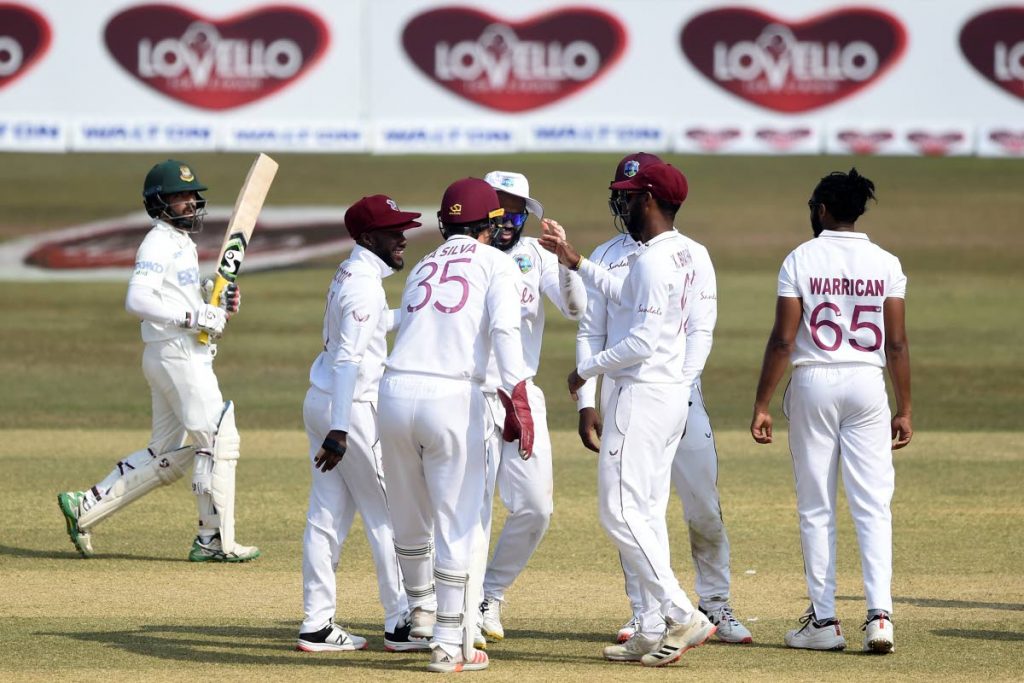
[(844, 234), (668, 234), (366, 257), (179, 235)]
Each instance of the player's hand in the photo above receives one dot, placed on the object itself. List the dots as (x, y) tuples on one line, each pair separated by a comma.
[(553, 239), (332, 450), (202, 474), (590, 429), (230, 299), (761, 425), (902, 431), (518, 419), (210, 319), (575, 382)]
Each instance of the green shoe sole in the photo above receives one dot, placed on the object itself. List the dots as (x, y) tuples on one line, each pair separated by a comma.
[(196, 555), (67, 507)]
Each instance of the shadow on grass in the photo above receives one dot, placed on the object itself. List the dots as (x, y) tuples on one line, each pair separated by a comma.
[(36, 554), (1014, 636), (951, 604)]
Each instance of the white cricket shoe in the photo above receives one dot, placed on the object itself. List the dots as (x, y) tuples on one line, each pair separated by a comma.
[(490, 623), (331, 638), (479, 642), (679, 638), (628, 630), (878, 634), (633, 650), (442, 662), (730, 630), (815, 634), (422, 623)]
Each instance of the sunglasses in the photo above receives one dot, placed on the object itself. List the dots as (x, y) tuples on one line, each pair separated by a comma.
[(517, 219)]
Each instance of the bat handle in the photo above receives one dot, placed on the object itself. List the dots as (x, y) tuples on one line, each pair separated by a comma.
[(218, 287)]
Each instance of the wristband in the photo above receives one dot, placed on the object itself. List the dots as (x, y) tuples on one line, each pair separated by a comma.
[(187, 323), (333, 446), (578, 264)]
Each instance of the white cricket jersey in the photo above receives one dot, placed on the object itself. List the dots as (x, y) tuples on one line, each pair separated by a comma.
[(354, 335), (168, 264), (646, 333), (460, 301), (540, 276), (843, 280)]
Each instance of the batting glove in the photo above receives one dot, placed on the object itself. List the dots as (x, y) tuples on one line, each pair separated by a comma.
[(210, 319), (231, 298), (202, 473), (518, 419)]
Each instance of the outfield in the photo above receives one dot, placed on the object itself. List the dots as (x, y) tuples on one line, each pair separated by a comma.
[(74, 400)]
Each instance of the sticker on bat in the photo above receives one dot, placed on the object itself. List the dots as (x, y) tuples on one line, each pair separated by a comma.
[(231, 261)]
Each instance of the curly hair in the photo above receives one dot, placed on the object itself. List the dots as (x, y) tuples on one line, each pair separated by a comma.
[(845, 195)]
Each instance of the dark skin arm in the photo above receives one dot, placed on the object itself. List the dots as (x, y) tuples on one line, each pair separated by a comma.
[(897, 358), (590, 429), (327, 460), (788, 311)]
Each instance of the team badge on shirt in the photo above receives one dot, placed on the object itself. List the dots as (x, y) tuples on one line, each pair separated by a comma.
[(631, 168), (524, 263)]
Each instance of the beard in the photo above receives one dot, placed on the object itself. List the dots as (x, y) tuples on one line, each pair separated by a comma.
[(635, 221), (816, 225)]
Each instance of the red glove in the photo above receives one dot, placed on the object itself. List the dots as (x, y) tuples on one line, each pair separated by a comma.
[(518, 419)]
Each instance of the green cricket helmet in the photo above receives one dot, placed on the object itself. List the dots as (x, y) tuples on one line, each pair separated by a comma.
[(168, 178)]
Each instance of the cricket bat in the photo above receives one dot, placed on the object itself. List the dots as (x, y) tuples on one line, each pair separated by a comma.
[(240, 226)]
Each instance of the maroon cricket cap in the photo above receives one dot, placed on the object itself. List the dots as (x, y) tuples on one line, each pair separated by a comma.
[(631, 165), (468, 201), (378, 212), (663, 181)]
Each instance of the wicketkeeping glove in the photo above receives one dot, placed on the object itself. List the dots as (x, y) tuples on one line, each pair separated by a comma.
[(518, 419)]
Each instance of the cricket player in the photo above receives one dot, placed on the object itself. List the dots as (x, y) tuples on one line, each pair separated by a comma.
[(460, 304), (340, 415), (525, 485), (165, 293), (695, 467), (840, 320), (645, 357)]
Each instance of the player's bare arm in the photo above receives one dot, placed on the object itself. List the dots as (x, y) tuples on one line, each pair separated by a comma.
[(788, 311), (590, 429), (897, 358)]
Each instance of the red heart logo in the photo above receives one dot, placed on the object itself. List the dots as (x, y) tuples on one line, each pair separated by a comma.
[(216, 64), (782, 139), (993, 43), (712, 140), (860, 142), (1011, 141), (514, 66), (934, 144), (24, 39), (793, 66)]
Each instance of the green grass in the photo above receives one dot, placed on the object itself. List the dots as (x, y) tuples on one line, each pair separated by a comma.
[(74, 400)]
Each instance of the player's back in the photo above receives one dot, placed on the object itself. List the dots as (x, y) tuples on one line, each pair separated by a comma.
[(452, 300), (843, 280)]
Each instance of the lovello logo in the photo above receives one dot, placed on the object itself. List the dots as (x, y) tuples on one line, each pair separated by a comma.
[(24, 39), (783, 139), (1010, 141), (712, 140), (514, 66), (864, 142), (793, 66), (934, 144), (993, 43), (216, 63)]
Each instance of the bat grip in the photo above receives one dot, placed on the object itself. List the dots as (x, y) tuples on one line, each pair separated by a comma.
[(218, 287)]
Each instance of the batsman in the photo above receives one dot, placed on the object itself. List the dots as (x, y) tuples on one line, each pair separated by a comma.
[(166, 292)]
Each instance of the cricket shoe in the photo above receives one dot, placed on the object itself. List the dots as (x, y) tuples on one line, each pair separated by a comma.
[(878, 634), (479, 642), (70, 503), (633, 650), (730, 630), (442, 662), (421, 623), (816, 634), (399, 640), (331, 638), (628, 630), (490, 624), (213, 552), (679, 638)]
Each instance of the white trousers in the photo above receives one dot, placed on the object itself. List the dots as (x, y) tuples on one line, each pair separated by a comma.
[(186, 396), (526, 488), (695, 479), (355, 484), (641, 431), (433, 434), (839, 418)]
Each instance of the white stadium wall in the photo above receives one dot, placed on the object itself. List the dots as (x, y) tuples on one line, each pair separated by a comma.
[(909, 77)]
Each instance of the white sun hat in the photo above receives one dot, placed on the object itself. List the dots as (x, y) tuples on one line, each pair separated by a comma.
[(515, 184)]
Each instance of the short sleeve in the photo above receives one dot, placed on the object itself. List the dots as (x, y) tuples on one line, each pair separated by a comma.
[(788, 277), (897, 281)]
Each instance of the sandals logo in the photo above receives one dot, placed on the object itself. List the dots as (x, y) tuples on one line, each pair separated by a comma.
[(993, 43), (793, 66), (216, 64), (514, 66), (24, 39)]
